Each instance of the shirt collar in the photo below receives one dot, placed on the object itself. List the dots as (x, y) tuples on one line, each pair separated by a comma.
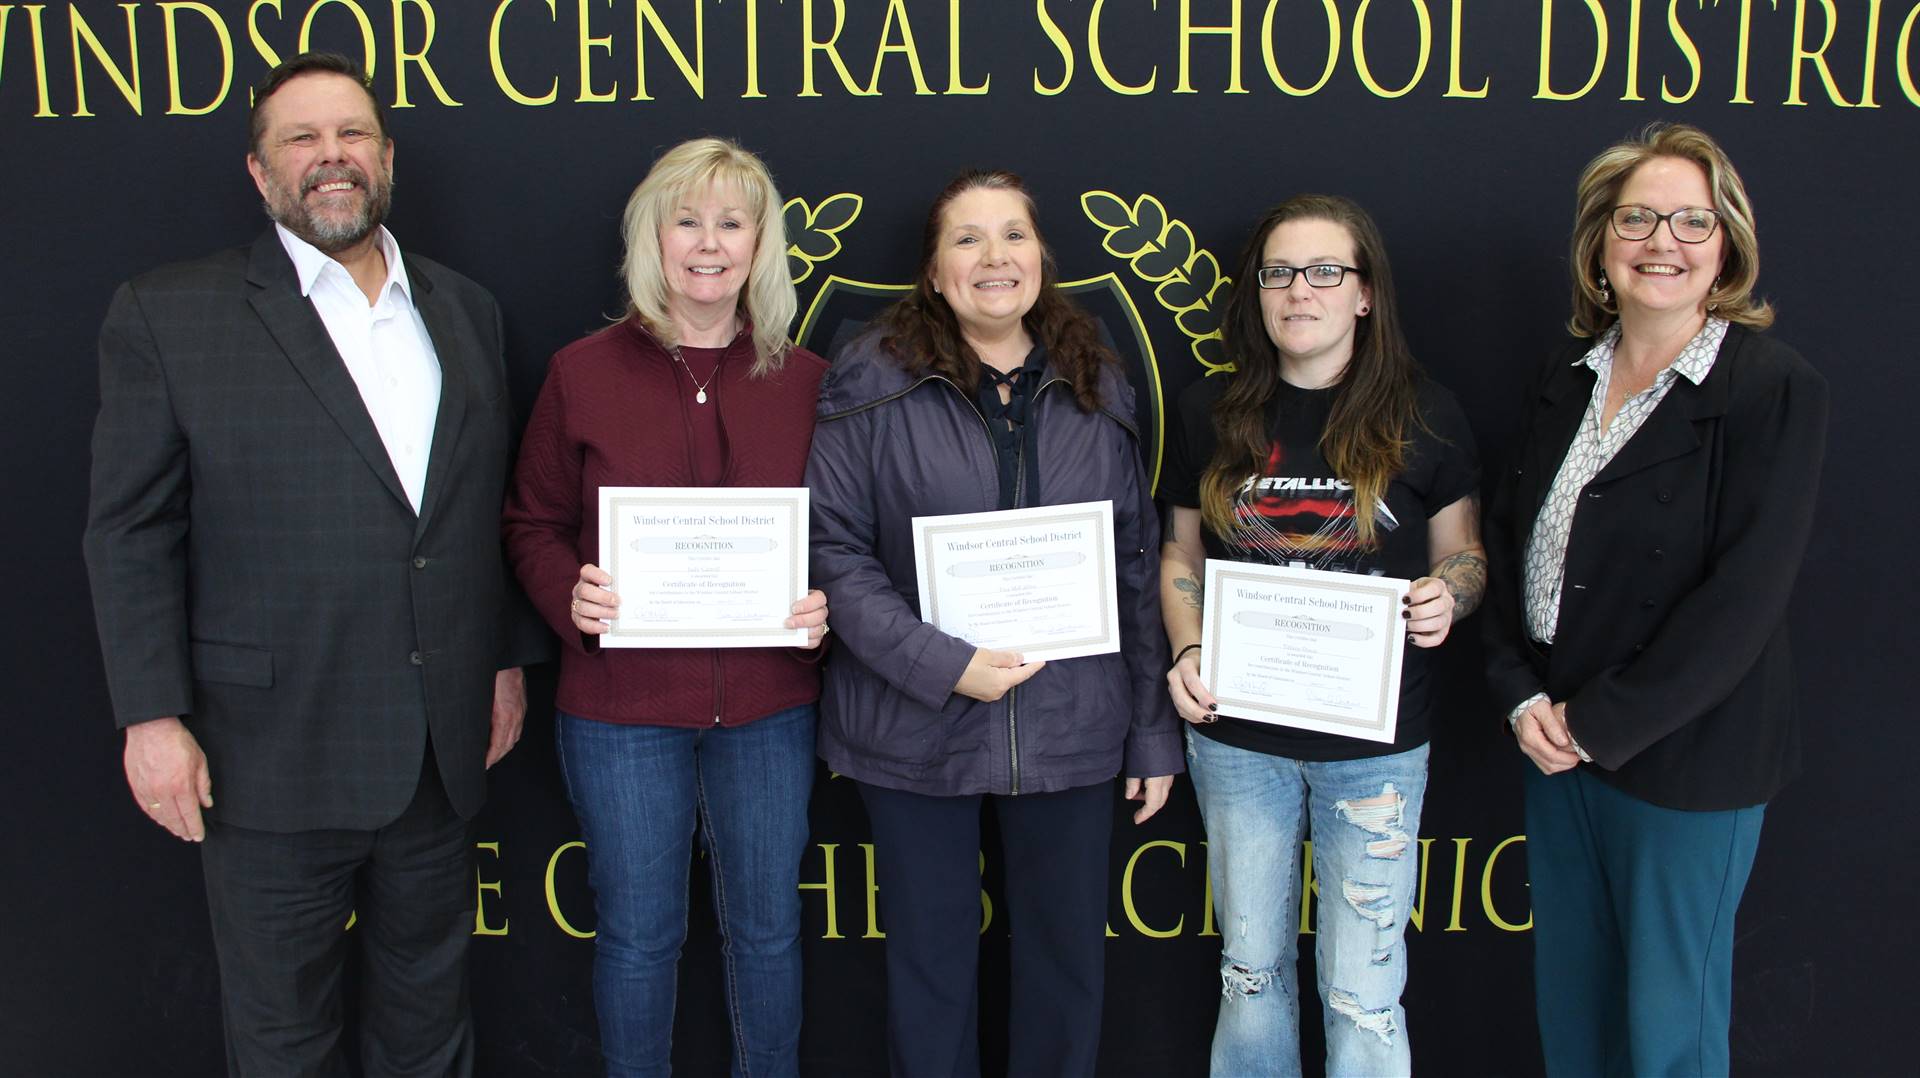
[(1694, 362), (309, 262)]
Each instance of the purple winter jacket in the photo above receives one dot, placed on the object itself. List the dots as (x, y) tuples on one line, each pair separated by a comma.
[(888, 447)]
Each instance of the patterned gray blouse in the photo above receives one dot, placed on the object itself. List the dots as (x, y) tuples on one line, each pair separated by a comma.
[(1592, 448)]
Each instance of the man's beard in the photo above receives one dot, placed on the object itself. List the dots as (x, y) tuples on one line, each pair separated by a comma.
[(335, 231)]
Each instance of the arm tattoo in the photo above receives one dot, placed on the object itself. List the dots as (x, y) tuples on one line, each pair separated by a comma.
[(1465, 575), (1189, 590)]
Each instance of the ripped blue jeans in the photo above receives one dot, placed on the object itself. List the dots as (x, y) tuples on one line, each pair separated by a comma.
[(1364, 817)]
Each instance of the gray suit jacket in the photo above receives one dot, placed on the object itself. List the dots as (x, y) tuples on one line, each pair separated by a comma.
[(256, 567)]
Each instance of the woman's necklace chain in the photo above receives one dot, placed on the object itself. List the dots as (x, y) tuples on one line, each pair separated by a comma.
[(699, 387)]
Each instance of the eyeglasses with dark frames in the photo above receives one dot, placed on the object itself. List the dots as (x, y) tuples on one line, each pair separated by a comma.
[(1319, 275), (1689, 224)]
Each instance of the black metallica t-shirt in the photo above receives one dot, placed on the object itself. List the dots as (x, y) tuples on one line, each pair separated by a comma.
[(1297, 512)]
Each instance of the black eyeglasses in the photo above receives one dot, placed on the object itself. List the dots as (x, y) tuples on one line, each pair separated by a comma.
[(1689, 224), (1321, 275)]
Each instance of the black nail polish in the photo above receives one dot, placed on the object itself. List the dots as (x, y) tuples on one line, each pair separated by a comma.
[(1406, 615)]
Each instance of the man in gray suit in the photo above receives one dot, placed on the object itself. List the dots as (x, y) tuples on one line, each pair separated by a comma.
[(294, 549)]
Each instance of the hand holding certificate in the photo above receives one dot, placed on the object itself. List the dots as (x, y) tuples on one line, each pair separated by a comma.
[(1304, 648), (1037, 581), (700, 567)]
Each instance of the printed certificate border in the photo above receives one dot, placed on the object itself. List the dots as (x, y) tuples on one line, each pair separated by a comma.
[(614, 500), (1098, 514), (1387, 698)]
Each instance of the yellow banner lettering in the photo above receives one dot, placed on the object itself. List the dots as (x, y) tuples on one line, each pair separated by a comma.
[(129, 87), (1546, 91), (500, 78)]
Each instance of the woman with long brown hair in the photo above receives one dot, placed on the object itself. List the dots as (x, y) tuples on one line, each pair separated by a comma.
[(984, 389), (1326, 448)]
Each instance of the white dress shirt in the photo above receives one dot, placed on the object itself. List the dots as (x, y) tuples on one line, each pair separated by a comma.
[(385, 347)]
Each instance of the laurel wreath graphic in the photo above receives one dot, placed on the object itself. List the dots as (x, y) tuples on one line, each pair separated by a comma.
[(813, 232), (1162, 251)]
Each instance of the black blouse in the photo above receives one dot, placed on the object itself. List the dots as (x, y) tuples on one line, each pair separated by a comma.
[(1015, 448)]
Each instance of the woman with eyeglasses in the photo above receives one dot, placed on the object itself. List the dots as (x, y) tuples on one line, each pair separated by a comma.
[(1644, 543), (1326, 448)]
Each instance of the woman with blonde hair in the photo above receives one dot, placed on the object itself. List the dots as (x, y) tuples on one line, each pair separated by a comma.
[(1644, 543), (696, 386)]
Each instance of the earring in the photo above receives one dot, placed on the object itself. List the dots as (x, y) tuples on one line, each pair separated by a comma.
[(1606, 290), (1711, 307), (1365, 310)]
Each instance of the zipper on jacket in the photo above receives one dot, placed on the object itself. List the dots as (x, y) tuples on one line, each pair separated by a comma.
[(726, 469), (1019, 492), (1013, 701), (894, 396), (1013, 693), (726, 459)]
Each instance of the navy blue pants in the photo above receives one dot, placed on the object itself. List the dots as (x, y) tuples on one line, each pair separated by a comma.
[(927, 858), (1633, 910)]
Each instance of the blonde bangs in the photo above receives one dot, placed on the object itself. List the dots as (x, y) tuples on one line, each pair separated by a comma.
[(767, 300)]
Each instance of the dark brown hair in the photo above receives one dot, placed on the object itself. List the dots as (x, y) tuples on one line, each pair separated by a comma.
[(922, 334), (1376, 405), (307, 63)]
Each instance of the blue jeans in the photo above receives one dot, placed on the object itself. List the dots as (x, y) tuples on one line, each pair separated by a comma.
[(638, 791), (1365, 819)]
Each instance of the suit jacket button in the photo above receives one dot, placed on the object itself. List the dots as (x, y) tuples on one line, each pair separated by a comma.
[(1646, 604), (417, 659), (1658, 554), (419, 563), (1665, 496), (1638, 648)]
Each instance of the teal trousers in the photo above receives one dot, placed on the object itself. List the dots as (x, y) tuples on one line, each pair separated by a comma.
[(1633, 909)]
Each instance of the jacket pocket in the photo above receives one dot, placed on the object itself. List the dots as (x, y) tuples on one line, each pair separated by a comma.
[(232, 664), (1082, 711), (877, 721)]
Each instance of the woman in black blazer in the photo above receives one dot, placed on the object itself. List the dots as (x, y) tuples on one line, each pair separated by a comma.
[(1643, 545)]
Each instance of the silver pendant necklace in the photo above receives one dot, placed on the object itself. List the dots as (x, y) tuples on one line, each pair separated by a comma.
[(699, 387)]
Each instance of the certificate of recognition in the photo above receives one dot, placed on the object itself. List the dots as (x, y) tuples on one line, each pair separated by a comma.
[(704, 567), (1037, 581), (1304, 648)]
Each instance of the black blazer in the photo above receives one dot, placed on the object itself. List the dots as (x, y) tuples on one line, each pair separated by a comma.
[(1671, 652), (256, 566)]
